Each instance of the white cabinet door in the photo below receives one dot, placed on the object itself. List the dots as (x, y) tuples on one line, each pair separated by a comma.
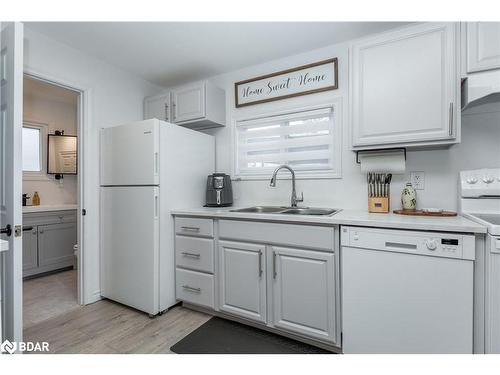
[(493, 301), (404, 87), (189, 102), (304, 292), (242, 280), (157, 107), (483, 46)]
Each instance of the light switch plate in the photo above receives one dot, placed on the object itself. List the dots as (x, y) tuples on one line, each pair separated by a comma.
[(417, 179)]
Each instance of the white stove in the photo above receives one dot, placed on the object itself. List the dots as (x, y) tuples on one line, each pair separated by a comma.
[(480, 201), (480, 197)]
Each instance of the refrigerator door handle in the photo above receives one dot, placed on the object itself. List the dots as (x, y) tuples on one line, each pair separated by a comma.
[(156, 206), (156, 164)]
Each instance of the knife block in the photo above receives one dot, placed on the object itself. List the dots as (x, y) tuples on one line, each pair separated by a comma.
[(379, 204)]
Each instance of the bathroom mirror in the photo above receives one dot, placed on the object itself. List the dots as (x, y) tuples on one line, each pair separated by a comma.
[(62, 154)]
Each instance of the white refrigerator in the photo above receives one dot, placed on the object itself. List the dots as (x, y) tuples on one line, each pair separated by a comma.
[(148, 168)]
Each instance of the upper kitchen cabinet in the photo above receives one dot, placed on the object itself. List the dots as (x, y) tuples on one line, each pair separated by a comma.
[(199, 105), (158, 107), (405, 87), (483, 46)]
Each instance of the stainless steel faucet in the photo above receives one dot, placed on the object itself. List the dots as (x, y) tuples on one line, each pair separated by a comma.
[(294, 199)]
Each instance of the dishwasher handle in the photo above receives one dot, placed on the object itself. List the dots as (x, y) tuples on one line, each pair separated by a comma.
[(400, 245)]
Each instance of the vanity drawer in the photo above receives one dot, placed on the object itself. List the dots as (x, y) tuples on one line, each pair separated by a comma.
[(194, 253), (194, 287), (49, 217), (192, 226)]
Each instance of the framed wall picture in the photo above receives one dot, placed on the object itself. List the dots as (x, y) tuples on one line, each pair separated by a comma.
[(303, 80)]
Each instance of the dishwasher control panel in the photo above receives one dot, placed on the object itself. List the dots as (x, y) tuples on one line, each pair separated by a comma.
[(447, 245)]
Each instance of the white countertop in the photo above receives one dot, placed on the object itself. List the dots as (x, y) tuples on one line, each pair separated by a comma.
[(52, 207), (348, 217), (4, 245)]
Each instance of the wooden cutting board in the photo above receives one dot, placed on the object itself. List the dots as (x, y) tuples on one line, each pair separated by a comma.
[(425, 213)]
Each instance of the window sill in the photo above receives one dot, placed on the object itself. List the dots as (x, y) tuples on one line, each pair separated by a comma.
[(288, 176)]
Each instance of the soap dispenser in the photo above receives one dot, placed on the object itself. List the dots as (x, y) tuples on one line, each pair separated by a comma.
[(36, 199)]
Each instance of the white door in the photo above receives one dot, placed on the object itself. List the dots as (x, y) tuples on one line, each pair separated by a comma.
[(304, 292), (404, 86), (130, 246), (11, 114), (189, 102), (242, 280), (157, 107), (130, 154), (483, 46)]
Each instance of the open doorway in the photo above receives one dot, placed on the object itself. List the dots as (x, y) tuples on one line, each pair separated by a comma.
[(51, 199)]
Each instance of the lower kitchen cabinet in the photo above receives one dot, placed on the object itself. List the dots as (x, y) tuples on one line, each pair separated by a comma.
[(304, 292), (48, 241), (280, 276), (242, 280)]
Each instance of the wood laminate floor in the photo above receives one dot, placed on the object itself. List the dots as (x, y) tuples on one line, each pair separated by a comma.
[(103, 327), (49, 296)]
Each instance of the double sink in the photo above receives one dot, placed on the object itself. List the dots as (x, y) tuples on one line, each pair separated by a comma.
[(288, 210)]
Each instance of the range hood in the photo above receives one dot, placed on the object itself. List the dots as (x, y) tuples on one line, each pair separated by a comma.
[(481, 89)]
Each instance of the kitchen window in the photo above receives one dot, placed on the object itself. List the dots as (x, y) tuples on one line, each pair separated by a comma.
[(308, 141)]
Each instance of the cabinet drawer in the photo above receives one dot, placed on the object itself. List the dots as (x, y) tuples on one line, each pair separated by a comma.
[(313, 237), (194, 253), (194, 287), (194, 226)]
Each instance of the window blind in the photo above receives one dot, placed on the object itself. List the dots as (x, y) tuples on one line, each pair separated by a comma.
[(302, 140)]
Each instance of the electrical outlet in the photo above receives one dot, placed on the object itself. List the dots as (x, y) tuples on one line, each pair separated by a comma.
[(417, 179)]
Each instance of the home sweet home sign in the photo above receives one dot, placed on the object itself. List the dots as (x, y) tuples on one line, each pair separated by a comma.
[(302, 80)]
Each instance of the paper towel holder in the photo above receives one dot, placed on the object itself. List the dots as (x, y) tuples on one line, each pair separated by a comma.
[(381, 150)]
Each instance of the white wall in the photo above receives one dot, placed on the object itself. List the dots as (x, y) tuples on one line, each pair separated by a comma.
[(480, 148), (115, 97), (57, 115)]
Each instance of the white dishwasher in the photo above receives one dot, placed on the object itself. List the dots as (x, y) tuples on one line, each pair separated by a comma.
[(406, 291)]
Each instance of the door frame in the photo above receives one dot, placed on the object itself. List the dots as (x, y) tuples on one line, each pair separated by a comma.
[(83, 117)]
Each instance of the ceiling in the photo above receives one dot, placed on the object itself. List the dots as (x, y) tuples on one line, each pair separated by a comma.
[(169, 53)]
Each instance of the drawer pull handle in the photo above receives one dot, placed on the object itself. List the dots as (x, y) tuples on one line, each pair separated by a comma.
[(191, 289), (191, 229), (274, 265), (260, 263), (450, 125), (192, 255)]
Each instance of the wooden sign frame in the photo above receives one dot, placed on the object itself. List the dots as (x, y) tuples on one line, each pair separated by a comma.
[(334, 86)]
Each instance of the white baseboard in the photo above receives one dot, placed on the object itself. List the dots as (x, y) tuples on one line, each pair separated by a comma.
[(93, 297)]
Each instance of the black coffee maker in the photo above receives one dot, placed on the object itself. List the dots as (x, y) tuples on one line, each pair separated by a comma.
[(219, 190)]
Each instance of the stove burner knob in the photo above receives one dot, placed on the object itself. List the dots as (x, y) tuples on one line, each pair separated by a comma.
[(488, 179), (431, 244), (471, 180)]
